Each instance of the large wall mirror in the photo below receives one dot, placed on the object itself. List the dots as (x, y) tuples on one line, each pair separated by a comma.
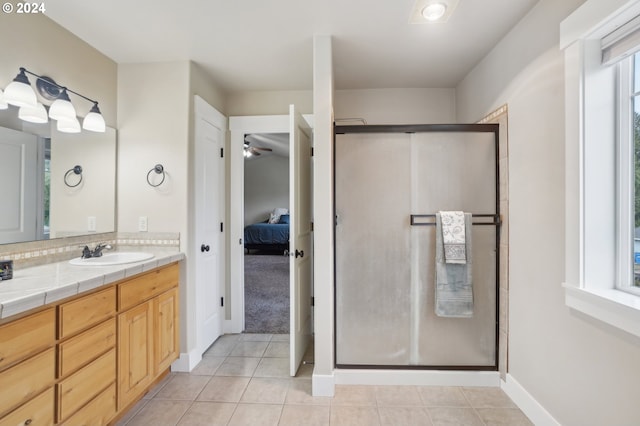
[(54, 184)]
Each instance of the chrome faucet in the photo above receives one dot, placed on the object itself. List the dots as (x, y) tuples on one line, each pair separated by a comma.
[(96, 252)]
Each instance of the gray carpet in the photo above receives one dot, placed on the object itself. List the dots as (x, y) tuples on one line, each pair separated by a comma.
[(266, 293)]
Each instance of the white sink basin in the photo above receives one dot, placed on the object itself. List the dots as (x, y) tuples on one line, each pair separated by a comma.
[(117, 258)]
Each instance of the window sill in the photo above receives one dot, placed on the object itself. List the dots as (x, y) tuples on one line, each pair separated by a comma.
[(614, 307)]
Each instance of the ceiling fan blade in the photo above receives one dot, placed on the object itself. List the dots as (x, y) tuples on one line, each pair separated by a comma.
[(261, 149)]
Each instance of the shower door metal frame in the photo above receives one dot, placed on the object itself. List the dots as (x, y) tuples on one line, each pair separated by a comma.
[(424, 128)]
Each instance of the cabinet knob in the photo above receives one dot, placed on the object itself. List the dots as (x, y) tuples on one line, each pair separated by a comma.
[(204, 248), (27, 422)]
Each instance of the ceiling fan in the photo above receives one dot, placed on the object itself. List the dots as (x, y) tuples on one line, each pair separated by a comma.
[(253, 150)]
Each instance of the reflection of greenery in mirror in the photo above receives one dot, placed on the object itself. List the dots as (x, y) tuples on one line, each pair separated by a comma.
[(36, 203)]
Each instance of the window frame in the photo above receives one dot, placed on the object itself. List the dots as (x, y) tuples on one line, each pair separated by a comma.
[(595, 212), (625, 175)]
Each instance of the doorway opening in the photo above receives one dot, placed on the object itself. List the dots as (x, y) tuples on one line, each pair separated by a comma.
[(266, 233)]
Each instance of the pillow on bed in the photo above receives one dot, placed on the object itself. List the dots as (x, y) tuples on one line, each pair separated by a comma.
[(284, 219), (274, 217)]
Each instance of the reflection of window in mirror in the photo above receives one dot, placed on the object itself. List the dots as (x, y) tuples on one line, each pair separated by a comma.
[(47, 186)]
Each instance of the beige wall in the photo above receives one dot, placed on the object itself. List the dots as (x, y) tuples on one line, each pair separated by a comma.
[(153, 125), (269, 102), (582, 371), (266, 186), (396, 106), (40, 45)]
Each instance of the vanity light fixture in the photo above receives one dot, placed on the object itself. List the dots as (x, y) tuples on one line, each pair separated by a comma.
[(62, 108), (37, 114), (20, 93), (68, 126), (94, 121)]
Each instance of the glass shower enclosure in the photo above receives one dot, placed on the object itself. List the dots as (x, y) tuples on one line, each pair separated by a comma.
[(389, 183)]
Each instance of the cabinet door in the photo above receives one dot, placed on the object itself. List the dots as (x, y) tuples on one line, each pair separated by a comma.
[(166, 330), (135, 352)]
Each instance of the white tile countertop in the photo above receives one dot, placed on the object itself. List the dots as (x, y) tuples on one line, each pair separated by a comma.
[(40, 285)]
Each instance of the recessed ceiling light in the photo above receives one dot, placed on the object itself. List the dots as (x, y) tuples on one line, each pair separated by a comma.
[(434, 11)]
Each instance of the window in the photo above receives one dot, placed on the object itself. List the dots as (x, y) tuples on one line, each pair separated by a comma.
[(602, 199), (629, 174), (635, 143)]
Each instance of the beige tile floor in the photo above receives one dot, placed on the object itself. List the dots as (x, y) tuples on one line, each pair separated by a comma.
[(243, 380)]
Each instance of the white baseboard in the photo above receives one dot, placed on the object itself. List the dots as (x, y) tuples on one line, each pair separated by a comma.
[(527, 403), (323, 385), (187, 361), (417, 377)]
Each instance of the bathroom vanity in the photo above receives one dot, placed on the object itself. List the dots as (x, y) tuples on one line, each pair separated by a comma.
[(87, 358)]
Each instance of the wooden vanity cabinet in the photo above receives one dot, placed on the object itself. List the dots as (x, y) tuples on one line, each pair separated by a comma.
[(85, 360), (147, 331)]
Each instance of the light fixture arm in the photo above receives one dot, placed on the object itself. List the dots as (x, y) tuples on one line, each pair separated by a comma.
[(53, 83)]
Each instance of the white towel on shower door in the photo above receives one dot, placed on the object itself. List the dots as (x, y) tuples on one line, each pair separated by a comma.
[(454, 289), (453, 236)]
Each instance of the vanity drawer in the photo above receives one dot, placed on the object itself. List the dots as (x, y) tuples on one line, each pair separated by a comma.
[(80, 349), (30, 377), (144, 287), (37, 412), (86, 311), (79, 388), (27, 336), (97, 412)]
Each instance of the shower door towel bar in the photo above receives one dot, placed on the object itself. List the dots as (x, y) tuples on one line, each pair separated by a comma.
[(415, 219)]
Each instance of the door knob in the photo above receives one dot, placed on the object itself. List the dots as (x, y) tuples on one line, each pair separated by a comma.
[(299, 253), (204, 248)]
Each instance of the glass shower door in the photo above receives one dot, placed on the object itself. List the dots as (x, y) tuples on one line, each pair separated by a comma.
[(385, 267)]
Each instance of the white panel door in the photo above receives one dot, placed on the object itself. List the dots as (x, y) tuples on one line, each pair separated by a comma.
[(18, 174), (300, 237), (210, 128)]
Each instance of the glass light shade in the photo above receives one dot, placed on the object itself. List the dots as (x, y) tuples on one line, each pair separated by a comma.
[(33, 115), (434, 11), (3, 103), (94, 120), (68, 126), (20, 94), (62, 108)]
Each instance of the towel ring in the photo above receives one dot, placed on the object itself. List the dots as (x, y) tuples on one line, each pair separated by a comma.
[(158, 168), (77, 170)]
